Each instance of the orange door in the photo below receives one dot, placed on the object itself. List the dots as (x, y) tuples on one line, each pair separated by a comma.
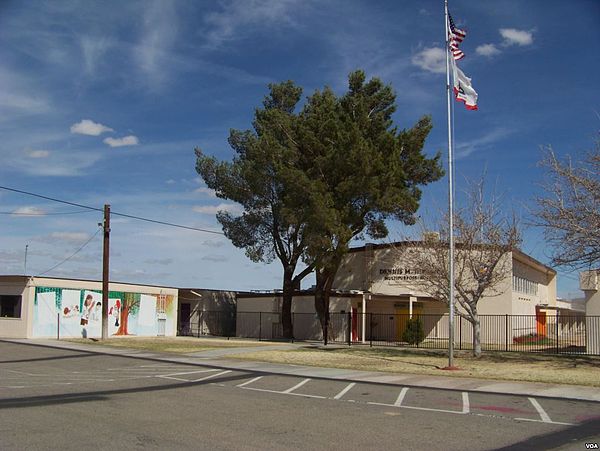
[(540, 320)]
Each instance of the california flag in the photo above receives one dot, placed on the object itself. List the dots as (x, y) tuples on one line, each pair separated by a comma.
[(463, 90)]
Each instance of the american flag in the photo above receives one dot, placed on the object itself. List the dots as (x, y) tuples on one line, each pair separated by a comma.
[(455, 37)]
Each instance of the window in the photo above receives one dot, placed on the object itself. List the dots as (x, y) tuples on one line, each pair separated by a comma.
[(522, 285), (10, 306)]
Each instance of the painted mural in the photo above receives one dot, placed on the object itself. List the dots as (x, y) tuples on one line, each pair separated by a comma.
[(78, 313)]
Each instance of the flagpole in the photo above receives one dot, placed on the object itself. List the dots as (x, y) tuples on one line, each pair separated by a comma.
[(450, 200)]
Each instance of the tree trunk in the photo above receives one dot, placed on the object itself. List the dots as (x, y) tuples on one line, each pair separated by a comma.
[(286, 304), (124, 317), (476, 336), (322, 293)]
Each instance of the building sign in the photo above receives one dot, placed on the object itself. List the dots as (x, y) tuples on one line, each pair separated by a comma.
[(397, 275)]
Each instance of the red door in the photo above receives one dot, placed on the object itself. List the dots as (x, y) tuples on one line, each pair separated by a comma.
[(354, 324)]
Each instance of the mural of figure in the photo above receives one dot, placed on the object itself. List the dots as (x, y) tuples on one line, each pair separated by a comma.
[(88, 305), (96, 313)]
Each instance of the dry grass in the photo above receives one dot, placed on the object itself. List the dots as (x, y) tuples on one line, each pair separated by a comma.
[(179, 345), (556, 369), (580, 370)]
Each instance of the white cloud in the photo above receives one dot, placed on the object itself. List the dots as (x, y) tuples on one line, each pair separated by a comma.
[(513, 36), (89, 127), (56, 164), (238, 16), (159, 261), (70, 237), (21, 95), (129, 140), (213, 209), (215, 258), (29, 211), (431, 59), (157, 39), (484, 142), (38, 153), (93, 48), (488, 50), (207, 191), (213, 243)]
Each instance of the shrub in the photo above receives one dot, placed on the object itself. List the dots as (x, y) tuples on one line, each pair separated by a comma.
[(531, 339), (414, 333)]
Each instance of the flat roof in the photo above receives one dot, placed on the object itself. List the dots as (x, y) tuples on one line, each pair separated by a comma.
[(522, 256), (84, 280)]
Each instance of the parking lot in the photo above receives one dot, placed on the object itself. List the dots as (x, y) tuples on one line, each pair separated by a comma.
[(34, 377)]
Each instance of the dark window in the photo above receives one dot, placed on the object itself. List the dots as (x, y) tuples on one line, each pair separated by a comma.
[(10, 306)]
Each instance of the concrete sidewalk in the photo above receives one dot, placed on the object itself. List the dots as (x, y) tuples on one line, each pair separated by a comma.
[(218, 358)]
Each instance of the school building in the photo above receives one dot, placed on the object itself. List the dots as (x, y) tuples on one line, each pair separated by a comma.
[(44, 307), (376, 286)]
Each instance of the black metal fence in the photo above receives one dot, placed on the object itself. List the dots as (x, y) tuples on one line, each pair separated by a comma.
[(569, 334)]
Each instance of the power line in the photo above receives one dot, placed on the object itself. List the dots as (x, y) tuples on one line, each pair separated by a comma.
[(49, 198), (166, 223), (72, 255), (43, 214), (139, 218)]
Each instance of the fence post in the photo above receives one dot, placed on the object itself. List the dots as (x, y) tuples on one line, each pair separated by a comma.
[(371, 331), (556, 327), (58, 326), (199, 324), (293, 327), (460, 333), (506, 332), (259, 326), (349, 327)]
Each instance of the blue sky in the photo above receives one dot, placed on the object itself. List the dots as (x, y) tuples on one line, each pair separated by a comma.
[(104, 102)]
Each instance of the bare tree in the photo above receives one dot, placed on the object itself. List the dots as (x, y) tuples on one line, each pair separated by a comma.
[(482, 258), (569, 211)]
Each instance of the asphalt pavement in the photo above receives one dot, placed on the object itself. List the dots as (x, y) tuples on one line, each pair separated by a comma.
[(218, 357), (60, 395)]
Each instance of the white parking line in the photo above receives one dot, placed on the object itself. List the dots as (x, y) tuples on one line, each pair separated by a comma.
[(543, 415), (290, 390), (466, 406), (187, 372), (249, 382), (345, 390), (401, 396), (173, 375), (427, 409), (211, 376), (545, 422)]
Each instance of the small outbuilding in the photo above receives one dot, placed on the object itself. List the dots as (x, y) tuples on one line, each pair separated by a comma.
[(37, 307)]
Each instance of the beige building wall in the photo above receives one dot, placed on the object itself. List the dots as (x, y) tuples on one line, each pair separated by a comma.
[(260, 316), (524, 303), (589, 283), (17, 327)]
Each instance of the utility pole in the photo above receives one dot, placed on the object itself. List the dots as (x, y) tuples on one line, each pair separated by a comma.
[(105, 271), (25, 264)]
